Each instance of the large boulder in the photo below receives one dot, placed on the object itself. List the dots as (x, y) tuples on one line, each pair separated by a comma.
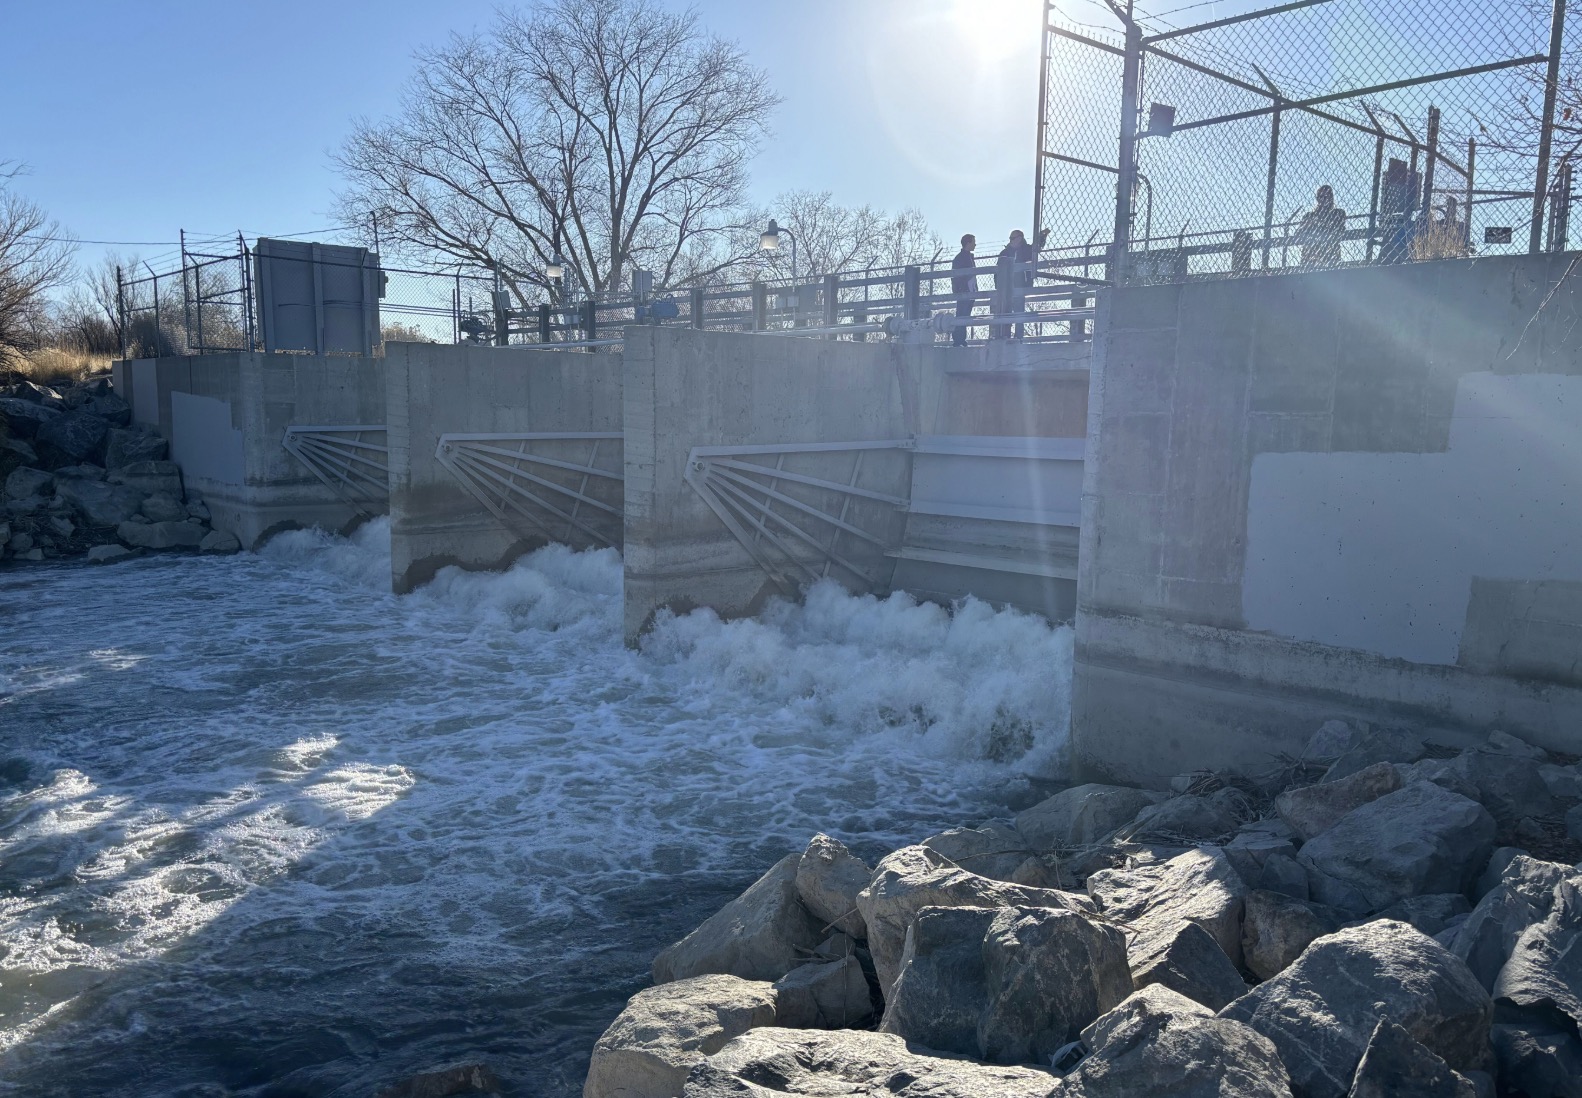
[(915, 877), (828, 878), (14, 453), (824, 995), (761, 935), (123, 448), (1184, 819), (1276, 929), (1538, 1060), (163, 508), (1396, 1065), (1525, 895), (34, 393), (109, 407), (99, 503), (160, 535), (1048, 974), (1376, 746), (1192, 964), (992, 850), (940, 990), (1082, 815), (1509, 786), (1199, 886), (1419, 839), (74, 436), (1314, 809), (1432, 913), (150, 477), (847, 1064), (24, 482), (667, 1030), (1158, 1044), (1321, 1011), (1545, 969), (25, 418), (219, 543)]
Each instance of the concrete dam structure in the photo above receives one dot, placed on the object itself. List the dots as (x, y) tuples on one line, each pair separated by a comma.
[(1281, 499)]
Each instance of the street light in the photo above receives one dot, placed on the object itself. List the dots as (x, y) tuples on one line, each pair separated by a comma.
[(556, 267), (769, 241)]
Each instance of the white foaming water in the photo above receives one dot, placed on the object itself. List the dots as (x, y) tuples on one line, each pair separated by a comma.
[(266, 829)]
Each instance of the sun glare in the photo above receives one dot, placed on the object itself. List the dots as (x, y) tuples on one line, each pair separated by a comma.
[(996, 28)]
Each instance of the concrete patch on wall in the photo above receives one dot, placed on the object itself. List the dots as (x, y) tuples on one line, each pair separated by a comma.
[(1379, 552), (203, 442), (1525, 629)]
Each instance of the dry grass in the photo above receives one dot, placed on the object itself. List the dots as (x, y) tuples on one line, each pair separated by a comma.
[(51, 364)]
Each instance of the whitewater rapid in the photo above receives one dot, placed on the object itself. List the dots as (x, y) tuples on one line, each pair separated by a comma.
[(266, 829)]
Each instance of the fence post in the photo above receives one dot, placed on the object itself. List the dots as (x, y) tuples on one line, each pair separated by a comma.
[(120, 310), (831, 301), (1557, 27), (544, 334), (695, 306), (1428, 168), (1126, 175), (760, 306), (1373, 205), (1268, 187), (1079, 328), (912, 293), (1472, 165), (590, 320), (159, 331)]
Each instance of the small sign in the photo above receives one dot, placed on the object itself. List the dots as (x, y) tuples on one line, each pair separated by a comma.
[(1500, 235)]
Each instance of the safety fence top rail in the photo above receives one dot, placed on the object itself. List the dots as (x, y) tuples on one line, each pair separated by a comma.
[(1431, 127)]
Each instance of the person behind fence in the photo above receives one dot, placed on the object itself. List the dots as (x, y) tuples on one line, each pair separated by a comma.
[(1019, 252), (1321, 230), (964, 286)]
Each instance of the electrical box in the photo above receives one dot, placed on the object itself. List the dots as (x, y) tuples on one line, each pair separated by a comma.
[(318, 298)]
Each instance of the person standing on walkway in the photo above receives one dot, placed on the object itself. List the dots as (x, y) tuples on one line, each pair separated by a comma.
[(1321, 230), (1021, 254), (964, 286)]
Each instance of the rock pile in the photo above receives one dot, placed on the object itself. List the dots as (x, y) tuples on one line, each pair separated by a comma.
[(1381, 917), (78, 480)]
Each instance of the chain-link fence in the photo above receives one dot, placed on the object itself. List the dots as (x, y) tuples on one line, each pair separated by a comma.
[(1315, 133)]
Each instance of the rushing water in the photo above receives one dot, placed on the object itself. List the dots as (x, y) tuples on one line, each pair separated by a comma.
[(267, 830)]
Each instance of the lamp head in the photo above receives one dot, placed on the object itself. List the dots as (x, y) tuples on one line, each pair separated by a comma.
[(556, 267), (769, 239)]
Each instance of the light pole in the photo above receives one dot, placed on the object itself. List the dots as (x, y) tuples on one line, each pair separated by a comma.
[(769, 241)]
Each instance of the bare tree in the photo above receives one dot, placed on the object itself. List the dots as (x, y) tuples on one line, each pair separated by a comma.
[(35, 259), (832, 238), (611, 131)]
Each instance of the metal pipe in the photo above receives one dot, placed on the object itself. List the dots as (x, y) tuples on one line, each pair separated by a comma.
[(1127, 161), (1373, 205), (1268, 187), (1557, 25)]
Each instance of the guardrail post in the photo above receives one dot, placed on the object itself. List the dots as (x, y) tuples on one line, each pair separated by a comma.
[(1079, 328), (590, 320), (760, 306), (695, 296), (859, 315), (831, 301), (912, 293), (1004, 272), (544, 333)]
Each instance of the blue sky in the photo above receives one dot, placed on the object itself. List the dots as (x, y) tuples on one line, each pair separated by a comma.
[(139, 119)]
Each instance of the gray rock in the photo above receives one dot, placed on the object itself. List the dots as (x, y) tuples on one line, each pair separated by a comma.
[(99, 504), (1563, 781), (940, 990), (26, 482), (1047, 975), (159, 535), (1276, 929), (1416, 840), (199, 510), (34, 393), (149, 477), (1396, 1065), (915, 877), (1199, 886), (1538, 1060), (1379, 745), (761, 935), (1158, 1044), (1248, 851), (1321, 1011), (1314, 809), (1445, 773), (992, 850), (828, 878), (1493, 874), (20, 508), (1187, 819), (1509, 786), (827, 995), (1332, 740), (1545, 968), (126, 447), (666, 1031), (20, 542), (1574, 823), (1504, 743), (1282, 873), (14, 453), (163, 508), (1081, 815), (445, 1082), (31, 555), (80, 472), (1429, 914), (110, 408), (1524, 896), (846, 1064), (77, 436), (104, 554), (61, 526), (1191, 963), (24, 418), (219, 543)]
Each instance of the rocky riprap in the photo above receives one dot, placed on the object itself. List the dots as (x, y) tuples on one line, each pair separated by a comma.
[(1380, 917), (78, 479)]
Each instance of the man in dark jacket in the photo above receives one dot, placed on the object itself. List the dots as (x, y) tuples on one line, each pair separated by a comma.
[(964, 286), (1019, 252)]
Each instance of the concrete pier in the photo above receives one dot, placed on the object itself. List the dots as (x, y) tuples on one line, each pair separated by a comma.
[(496, 451), (227, 417), (1346, 493)]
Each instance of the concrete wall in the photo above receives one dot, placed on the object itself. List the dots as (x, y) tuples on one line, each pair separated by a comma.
[(226, 416), (1350, 493), (444, 390), (691, 396)]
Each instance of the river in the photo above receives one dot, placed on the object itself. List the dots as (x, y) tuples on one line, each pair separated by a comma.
[(267, 830)]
